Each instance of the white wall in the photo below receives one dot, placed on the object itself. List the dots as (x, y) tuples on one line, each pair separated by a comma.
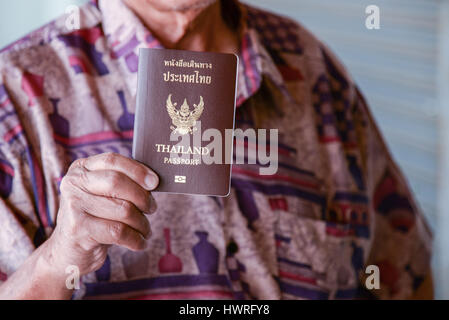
[(442, 232), (18, 17)]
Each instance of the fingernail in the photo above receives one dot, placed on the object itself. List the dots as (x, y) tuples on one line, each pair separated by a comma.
[(151, 181)]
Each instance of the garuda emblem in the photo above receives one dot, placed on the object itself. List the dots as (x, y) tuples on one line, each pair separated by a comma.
[(184, 119)]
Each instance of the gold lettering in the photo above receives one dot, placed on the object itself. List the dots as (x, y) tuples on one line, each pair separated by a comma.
[(165, 148), (196, 76)]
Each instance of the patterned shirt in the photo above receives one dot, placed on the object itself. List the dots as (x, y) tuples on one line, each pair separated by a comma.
[(337, 204)]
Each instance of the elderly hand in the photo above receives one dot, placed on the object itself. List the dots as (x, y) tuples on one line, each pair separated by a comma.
[(104, 200)]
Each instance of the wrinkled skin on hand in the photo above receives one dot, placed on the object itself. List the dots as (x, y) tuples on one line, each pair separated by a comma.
[(104, 201)]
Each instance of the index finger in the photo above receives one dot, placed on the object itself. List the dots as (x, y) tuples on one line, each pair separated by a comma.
[(136, 171)]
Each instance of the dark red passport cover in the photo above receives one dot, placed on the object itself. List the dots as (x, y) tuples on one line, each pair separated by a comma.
[(180, 95)]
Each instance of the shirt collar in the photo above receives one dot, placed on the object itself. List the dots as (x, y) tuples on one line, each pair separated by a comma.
[(125, 32), (255, 66)]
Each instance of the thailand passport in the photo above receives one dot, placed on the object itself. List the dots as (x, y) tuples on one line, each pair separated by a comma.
[(184, 121)]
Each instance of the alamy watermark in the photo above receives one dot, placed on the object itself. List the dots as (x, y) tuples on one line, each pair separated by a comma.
[(372, 21), (73, 20), (373, 280), (72, 282), (210, 147)]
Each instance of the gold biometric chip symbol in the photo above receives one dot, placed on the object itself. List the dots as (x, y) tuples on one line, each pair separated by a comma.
[(184, 119), (180, 179)]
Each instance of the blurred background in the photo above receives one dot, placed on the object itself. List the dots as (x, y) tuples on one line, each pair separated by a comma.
[(402, 68)]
